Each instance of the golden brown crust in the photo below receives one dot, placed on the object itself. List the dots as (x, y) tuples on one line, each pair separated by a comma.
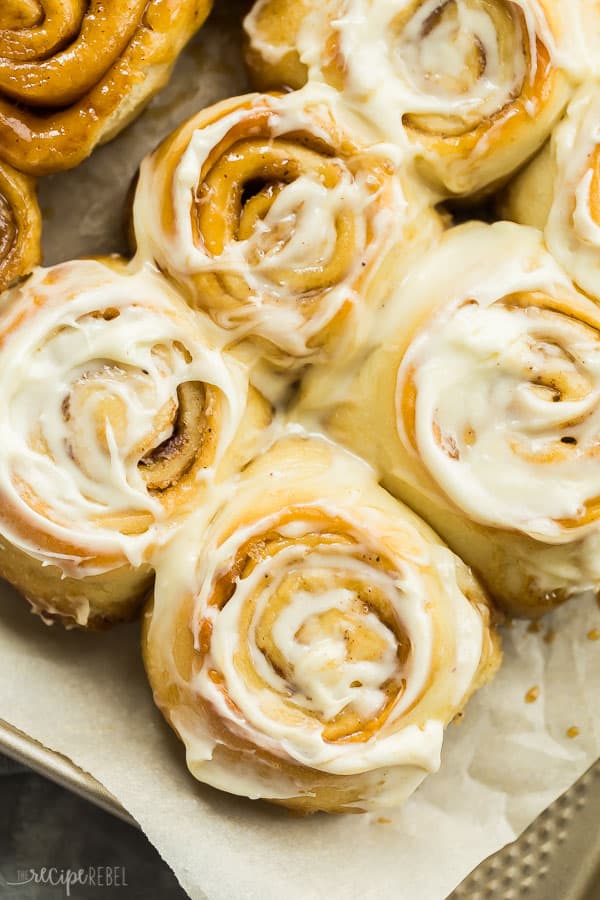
[(278, 23), (150, 437), (460, 153), (77, 77), (94, 602), (375, 415), (237, 244), (20, 225), (527, 199), (292, 504)]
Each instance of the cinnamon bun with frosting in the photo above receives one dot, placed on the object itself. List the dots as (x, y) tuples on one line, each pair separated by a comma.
[(471, 87), (281, 223), (312, 647), (480, 408), (119, 413), (559, 191)]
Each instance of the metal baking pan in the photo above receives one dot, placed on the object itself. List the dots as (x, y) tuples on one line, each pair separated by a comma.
[(557, 858), (23, 749)]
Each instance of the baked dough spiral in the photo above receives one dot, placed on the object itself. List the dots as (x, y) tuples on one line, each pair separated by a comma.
[(74, 73), (278, 222), (20, 225), (559, 191), (321, 640), (481, 410), (474, 86), (117, 415)]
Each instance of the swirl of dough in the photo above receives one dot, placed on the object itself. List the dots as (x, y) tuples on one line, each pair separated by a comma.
[(117, 413), (481, 408), (20, 225), (475, 86), (323, 641), (277, 222), (505, 393), (74, 73), (559, 191)]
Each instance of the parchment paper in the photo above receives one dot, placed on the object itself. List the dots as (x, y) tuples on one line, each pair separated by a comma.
[(86, 695)]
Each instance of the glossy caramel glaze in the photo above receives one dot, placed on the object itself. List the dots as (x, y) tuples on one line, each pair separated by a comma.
[(20, 225), (74, 74)]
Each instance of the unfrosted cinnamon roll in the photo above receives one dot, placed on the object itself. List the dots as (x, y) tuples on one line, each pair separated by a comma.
[(279, 222), (481, 410), (117, 416), (74, 73), (474, 86), (20, 225), (311, 649), (559, 191)]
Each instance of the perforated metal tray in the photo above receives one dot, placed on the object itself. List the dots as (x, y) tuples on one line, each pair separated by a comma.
[(557, 858)]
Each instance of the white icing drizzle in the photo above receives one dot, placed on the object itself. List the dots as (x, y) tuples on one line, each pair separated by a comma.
[(286, 714), (580, 23), (572, 233), (298, 233), (325, 681), (401, 57), (499, 387), (90, 359)]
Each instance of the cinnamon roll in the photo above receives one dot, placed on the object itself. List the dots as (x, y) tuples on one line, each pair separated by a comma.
[(73, 73), (312, 648), (118, 414), (20, 225), (472, 86), (559, 191), (281, 224), (481, 410)]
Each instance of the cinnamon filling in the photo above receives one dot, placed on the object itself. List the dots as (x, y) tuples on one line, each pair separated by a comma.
[(166, 464), (363, 643), (8, 229)]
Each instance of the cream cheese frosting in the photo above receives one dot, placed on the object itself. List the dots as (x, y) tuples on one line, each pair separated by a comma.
[(507, 411), (329, 650), (573, 227), (404, 57), (334, 210), (90, 366)]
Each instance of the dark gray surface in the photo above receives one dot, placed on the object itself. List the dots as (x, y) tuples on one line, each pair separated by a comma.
[(43, 825)]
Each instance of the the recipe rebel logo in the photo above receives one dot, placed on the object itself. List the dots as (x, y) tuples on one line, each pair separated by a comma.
[(88, 877)]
